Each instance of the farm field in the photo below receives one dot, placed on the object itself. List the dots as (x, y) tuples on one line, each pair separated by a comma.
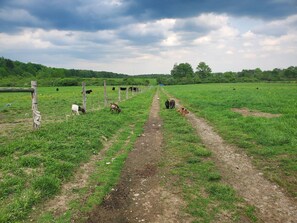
[(270, 141), (70, 168), (16, 114), (35, 164)]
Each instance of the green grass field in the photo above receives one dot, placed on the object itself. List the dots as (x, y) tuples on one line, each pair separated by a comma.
[(16, 113), (35, 164), (272, 142)]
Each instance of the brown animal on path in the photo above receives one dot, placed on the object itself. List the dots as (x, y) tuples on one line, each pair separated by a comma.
[(183, 111)]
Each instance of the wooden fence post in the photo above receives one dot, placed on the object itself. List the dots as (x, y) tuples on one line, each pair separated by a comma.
[(36, 113), (84, 96), (127, 93), (105, 94), (119, 93)]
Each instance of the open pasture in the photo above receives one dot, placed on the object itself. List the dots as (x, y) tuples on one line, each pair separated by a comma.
[(35, 164), (16, 113), (270, 141)]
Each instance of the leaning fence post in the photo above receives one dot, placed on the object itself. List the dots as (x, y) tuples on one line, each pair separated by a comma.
[(36, 113), (120, 93), (84, 96), (105, 94)]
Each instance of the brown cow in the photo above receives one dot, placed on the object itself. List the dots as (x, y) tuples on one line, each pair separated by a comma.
[(115, 107), (183, 111)]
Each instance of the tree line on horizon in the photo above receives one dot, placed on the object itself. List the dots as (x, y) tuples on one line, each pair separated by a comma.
[(15, 73), (183, 73)]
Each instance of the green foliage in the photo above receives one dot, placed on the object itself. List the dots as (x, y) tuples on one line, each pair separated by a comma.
[(47, 185), (183, 74), (203, 70), (15, 73), (183, 70)]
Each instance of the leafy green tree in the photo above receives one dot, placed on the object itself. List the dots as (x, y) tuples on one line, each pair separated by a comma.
[(291, 72), (203, 70), (182, 70)]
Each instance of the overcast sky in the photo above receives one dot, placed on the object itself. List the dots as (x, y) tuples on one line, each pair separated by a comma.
[(150, 36)]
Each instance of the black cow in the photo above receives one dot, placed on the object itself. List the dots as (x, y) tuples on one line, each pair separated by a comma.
[(123, 88), (135, 89), (171, 104), (89, 91), (113, 88), (167, 104)]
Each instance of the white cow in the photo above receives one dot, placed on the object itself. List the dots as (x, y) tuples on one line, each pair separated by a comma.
[(76, 108)]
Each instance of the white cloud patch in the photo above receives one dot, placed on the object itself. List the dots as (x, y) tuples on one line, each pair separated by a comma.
[(154, 46)]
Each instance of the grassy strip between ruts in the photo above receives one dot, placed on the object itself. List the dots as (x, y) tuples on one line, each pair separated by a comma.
[(194, 174), (33, 168)]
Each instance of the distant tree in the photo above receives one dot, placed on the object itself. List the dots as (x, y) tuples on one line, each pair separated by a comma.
[(203, 70), (9, 64), (182, 70), (291, 72)]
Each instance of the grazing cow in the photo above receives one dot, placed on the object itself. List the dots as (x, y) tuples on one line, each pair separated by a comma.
[(183, 111), (136, 89), (113, 88), (167, 104), (115, 107), (89, 91), (171, 104), (76, 109), (123, 88), (57, 89)]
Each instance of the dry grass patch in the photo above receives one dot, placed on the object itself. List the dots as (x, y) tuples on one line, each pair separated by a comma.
[(255, 113)]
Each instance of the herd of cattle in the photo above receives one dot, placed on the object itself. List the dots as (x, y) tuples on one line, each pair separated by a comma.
[(115, 107)]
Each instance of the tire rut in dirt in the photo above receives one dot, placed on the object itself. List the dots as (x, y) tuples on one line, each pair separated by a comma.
[(139, 196), (238, 171)]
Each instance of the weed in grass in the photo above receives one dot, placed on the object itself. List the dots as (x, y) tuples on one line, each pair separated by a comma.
[(221, 192), (30, 161), (46, 185), (214, 176)]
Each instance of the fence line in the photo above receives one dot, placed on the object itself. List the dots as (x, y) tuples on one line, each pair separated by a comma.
[(33, 90)]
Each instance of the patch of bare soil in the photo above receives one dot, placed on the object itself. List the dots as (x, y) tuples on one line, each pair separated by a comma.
[(139, 197), (248, 112), (237, 170)]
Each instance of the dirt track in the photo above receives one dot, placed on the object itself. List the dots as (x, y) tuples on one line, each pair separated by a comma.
[(139, 197), (238, 171)]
